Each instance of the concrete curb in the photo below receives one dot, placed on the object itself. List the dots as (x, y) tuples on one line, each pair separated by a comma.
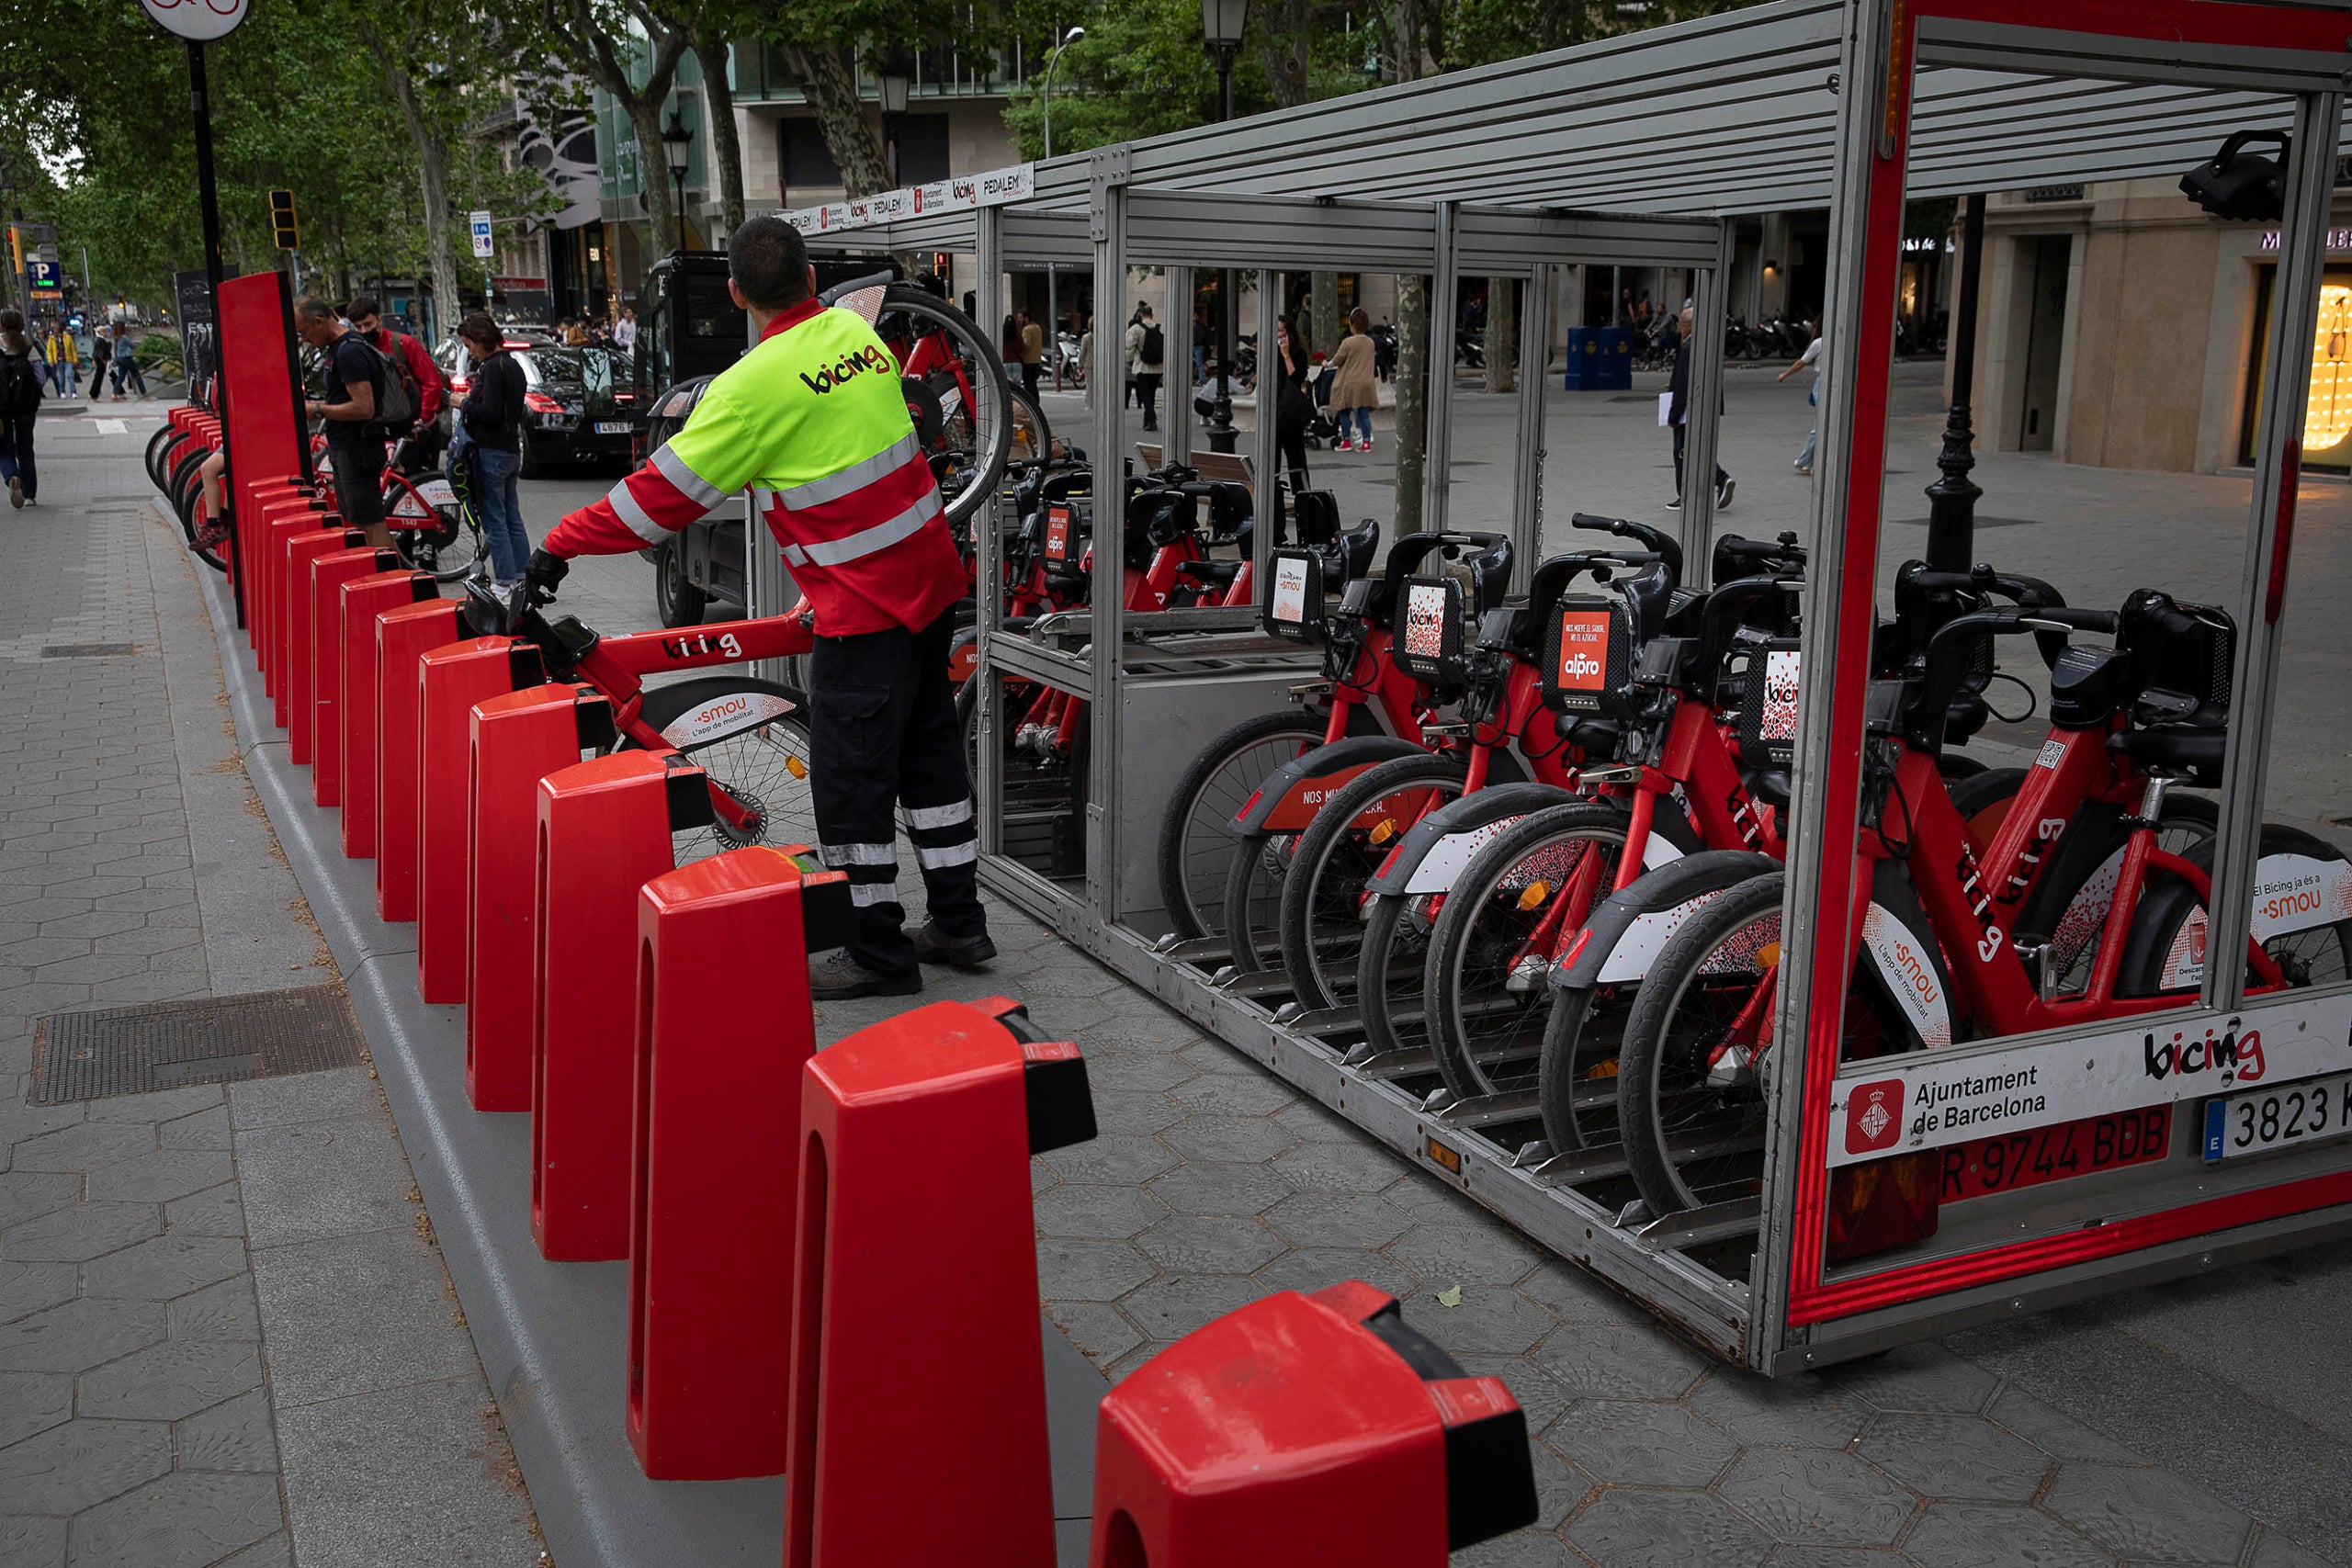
[(549, 1336)]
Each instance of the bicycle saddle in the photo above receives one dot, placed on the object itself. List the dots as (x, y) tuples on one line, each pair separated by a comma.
[(1221, 572), (2180, 750)]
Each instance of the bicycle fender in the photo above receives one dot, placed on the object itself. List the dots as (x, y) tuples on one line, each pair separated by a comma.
[(1455, 831), (2299, 883), (1904, 957), (1631, 926), (1291, 796)]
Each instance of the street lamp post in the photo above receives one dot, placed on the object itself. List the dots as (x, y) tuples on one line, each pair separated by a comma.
[(1952, 500), (1221, 25), (1053, 314), (895, 83), (676, 141)]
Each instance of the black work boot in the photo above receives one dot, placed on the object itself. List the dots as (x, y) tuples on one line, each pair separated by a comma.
[(837, 978), (935, 946)]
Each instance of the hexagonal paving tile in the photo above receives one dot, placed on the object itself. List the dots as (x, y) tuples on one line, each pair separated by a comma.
[(80, 1334), (1137, 1073), (1309, 1268), (1340, 1167), (1129, 1158), (69, 1468), (1617, 1360), (1994, 1535), (1640, 1443), (2054, 1432), (1217, 1187), (1337, 1218), (1541, 1397), (1088, 1270), (1235, 1094), (82, 1232), (31, 1541), (1835, 1557), (165, 1267), (2274, 1551), (1171, 1307), (1239, 1138), (161, 1175), (29, 1287), (1478, 1251), (1487, 1319), (1314, 1124), (1136, 1112), (33, 1402), (1103, 1213), (29, 1194), (235, 1435), (1955, 1457), (1210, 1244), (1916, 1377), (166, 1381), (1801, 1410), (1098, 1329), (2149, 1515), (1811, 1496), (224, 1311), (184, 1520), (1572, 1295), (1520, 1549), (1665, 1530)]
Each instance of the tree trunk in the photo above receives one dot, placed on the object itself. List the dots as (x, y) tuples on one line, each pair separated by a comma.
[(850, 135), (1323, 328), (1281, 48), (726, 148), (433, 188), (1502, 334), (653, 170), (1412, 397)]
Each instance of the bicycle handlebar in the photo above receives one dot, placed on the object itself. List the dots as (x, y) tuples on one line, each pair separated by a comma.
[(1667, 548)]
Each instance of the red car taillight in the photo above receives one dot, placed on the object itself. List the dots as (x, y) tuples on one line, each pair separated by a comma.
[(539, 402)]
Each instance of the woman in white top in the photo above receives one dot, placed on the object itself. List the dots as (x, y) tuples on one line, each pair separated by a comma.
[(1812, 355)]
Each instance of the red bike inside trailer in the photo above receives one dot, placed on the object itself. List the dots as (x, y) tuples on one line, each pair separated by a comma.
[(1843, 1121)]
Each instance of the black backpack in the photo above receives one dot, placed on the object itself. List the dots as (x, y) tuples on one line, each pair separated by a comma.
[(396, 395), (20, 388), (1154, 345)]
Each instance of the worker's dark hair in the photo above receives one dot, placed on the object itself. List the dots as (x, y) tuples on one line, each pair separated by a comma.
[(312, 305), (769, 263), (477, 327), (365, 305)]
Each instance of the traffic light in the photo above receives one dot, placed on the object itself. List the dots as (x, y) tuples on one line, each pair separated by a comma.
[(281, 220), (16, 249)]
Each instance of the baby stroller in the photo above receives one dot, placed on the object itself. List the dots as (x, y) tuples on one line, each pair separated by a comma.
[(1322, 429)]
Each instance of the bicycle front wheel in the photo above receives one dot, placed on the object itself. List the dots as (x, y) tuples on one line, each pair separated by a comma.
[(1196, 836), (751, 738)]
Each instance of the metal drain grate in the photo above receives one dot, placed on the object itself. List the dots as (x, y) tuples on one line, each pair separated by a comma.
[(87, 650), (134, 1050)]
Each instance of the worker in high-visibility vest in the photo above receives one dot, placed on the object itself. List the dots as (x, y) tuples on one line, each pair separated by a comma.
[(813, 421)]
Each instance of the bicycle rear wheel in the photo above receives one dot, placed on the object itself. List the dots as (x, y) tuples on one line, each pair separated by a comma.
[(1321, 920), (1196, 837)]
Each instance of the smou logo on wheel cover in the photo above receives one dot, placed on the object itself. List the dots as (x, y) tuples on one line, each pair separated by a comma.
[(725, 716), (1291, 796)]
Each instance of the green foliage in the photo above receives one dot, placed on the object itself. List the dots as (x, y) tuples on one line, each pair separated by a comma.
[(105, 149)]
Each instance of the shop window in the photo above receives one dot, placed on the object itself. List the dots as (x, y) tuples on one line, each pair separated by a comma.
[(2327, 419), (807, 161), (918, 147)]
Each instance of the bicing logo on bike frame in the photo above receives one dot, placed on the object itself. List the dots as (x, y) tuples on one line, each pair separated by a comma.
[(702, 645)]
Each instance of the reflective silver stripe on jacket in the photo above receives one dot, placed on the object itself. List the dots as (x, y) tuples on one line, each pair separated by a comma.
[(865, 541), (856, 478), (692, 485), (641, 522)]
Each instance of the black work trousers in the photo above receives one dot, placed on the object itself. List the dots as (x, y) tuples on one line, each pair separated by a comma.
[(883, 734)]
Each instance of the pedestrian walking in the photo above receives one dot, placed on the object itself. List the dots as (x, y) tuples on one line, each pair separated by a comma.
[(101, 350), (1200, 343), (1294, 406), (1812, 355), (126, 363), (355, 386), (488, 431), (624, 330), (1355, 391), (20, 395), (52, 362), (1147, 352), (840, 478), (1086, 360), (1032, 352), (1677, 394)]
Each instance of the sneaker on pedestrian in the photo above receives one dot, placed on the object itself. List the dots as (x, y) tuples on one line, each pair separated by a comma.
[(15, 493), (935, 946), (209, 535), (1722, 494), (1675, 505), (1804, 468), (838, 977), (1365, 444)]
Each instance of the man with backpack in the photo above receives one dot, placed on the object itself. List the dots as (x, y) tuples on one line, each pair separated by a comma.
[(419, 376), (359, 390), (1147, 362)]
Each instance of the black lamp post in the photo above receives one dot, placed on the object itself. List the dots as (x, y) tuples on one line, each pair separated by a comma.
[(1221, 25), (676, 141), (1952, 500), (895, 83)]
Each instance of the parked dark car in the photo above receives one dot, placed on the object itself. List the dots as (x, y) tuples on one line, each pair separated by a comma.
[(581, 405)]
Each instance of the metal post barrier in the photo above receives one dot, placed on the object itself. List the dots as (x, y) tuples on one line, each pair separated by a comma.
[(519, 738), (915, 1138), (1262, 1437), (402, 636), (363, 600), (450, 682), (604, 833), (328, 574), (301, 551), (712, 1190)]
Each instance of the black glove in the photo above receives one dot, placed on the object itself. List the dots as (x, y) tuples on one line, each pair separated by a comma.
[(545, 571)]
